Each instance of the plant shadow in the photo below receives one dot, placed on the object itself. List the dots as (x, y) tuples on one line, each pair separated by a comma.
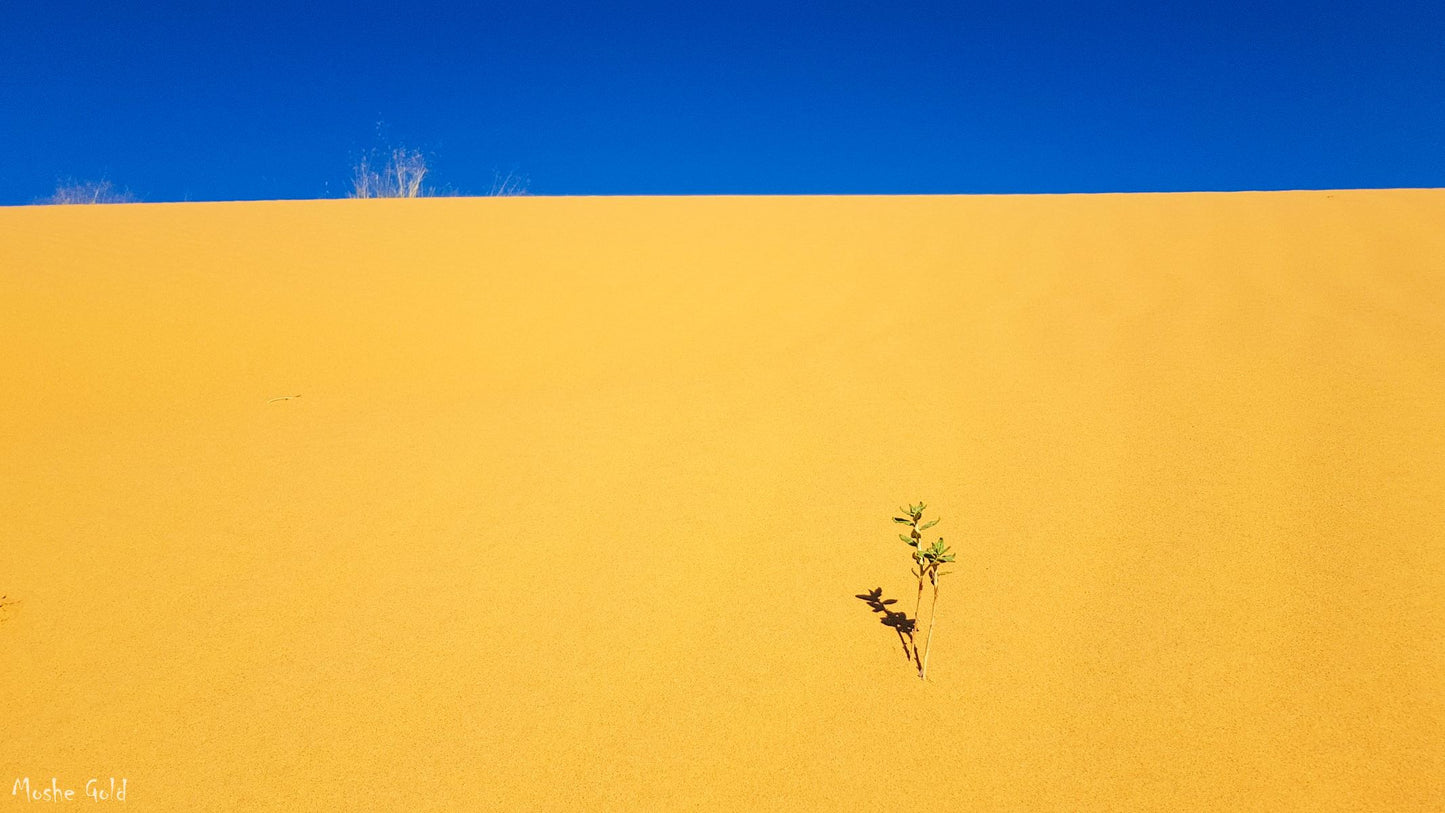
[(899, 622)]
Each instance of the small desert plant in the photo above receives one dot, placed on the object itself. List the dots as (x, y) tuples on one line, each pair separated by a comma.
[(911, 517), (399, 175), (926, 563), (930, 561), (77, 192)]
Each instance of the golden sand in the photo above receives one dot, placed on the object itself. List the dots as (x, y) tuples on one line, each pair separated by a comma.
[(574, 498)]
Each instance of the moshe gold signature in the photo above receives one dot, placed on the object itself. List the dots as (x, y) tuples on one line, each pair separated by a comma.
[(96, 790)]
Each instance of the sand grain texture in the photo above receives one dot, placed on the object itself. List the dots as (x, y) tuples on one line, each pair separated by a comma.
[(578, 496)]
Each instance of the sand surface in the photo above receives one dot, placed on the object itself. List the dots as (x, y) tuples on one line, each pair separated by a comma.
[(579, 495)]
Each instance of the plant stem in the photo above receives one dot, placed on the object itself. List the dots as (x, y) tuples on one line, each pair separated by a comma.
[(918, 602), (932, 616), (917, 619)]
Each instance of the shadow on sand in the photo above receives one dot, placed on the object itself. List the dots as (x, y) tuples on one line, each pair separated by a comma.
[(899, 622)]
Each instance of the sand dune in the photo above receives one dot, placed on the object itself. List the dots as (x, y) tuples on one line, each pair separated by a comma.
[(578, 496)]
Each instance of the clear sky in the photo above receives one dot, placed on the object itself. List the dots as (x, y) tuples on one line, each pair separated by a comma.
[(200, 100)]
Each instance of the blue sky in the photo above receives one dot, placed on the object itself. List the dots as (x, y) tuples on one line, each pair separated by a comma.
[(226, 101)]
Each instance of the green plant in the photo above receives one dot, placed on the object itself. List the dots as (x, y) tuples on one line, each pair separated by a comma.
[(911, 517), (930, 561), (927, 562)]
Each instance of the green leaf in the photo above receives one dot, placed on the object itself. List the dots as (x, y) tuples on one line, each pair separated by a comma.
[(902, 520), (928, 525), (912, 542), (905, 539)]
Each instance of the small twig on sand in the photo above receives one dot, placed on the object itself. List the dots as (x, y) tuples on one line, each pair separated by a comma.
[(282, 398)]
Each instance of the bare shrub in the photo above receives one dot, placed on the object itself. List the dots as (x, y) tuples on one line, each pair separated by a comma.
[(80, 192), (400, 172), (398, 175), (507, 185)]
